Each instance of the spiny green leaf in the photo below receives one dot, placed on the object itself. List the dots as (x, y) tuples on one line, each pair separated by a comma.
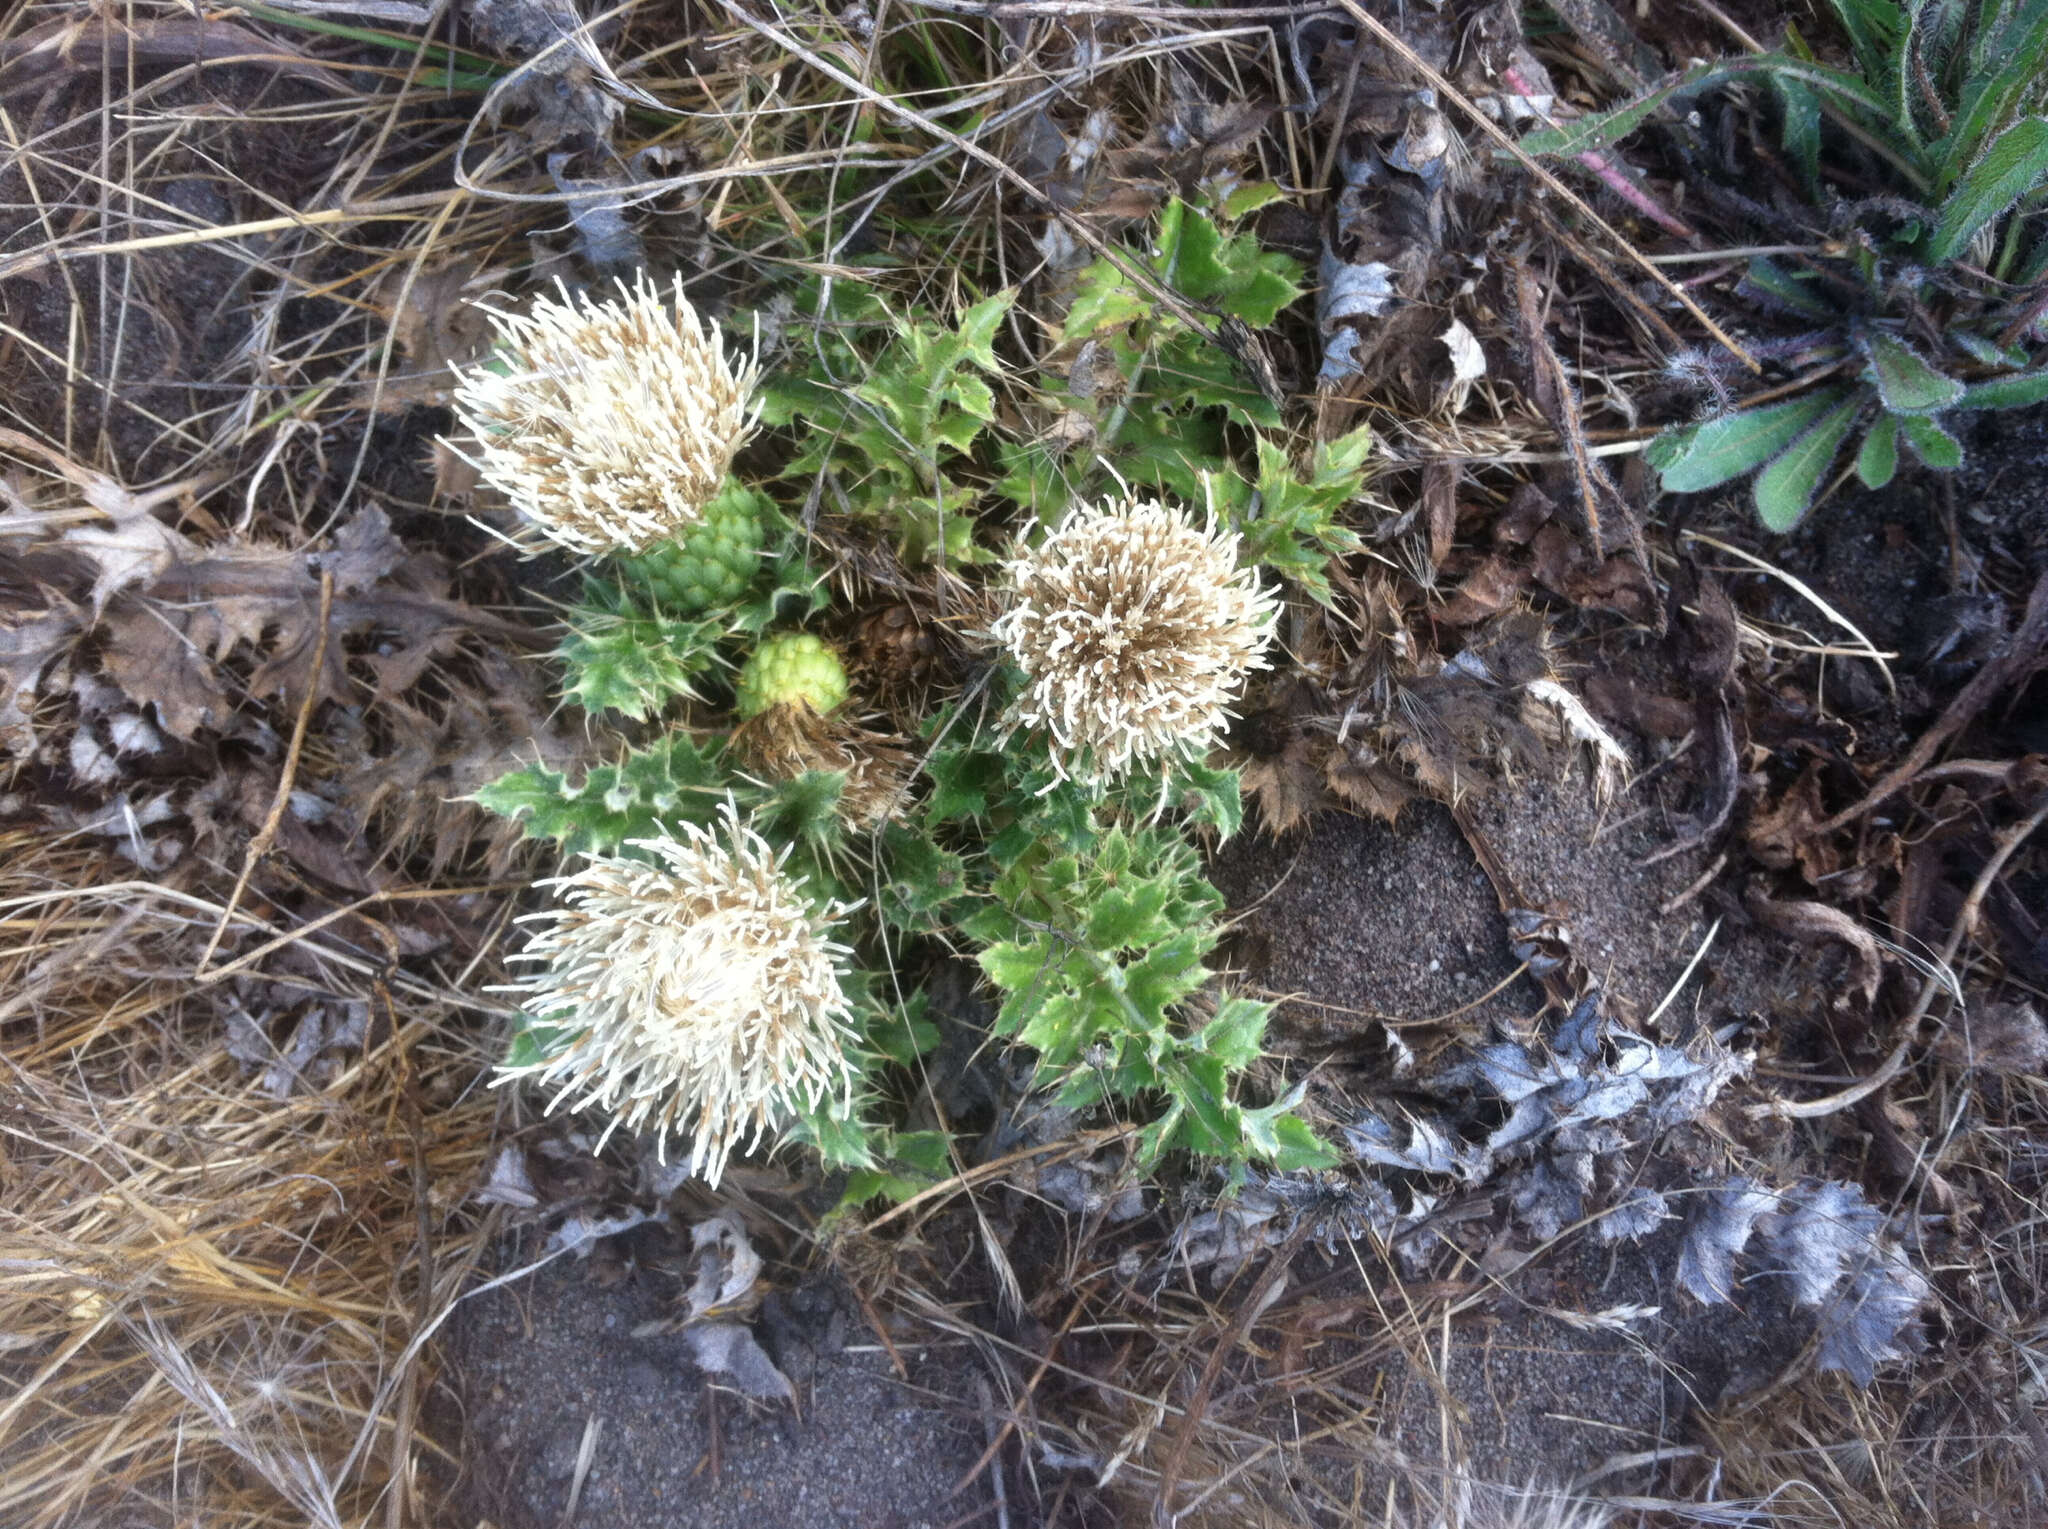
[(1103, 300), (1189, 245), (634, 662), (1249, 198), (1280, 1137), (901, 1032), (1238, 1032), (1785, 489)]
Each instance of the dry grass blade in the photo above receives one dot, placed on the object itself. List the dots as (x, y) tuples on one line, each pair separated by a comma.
[(187, 1256)]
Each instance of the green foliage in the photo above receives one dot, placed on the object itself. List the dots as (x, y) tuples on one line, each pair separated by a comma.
[(677, 778), (1148, 391), (1949, 96), (1085, 904), (1290, 523), (889, 411), (621, 656), (1096, 932)]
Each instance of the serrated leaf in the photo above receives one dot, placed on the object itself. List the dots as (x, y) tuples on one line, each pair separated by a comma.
[(2011, 165), (1188, 252), (1103, 300), (1280, 1137), (1785, 489), (1931, 444), (524, 794), (1704, 456), (1238, 1032), (901, 1032), (1879, 458), (979, 326), (1201, 1085), (1260, 300), (634, 664), (838, 1135), (1906, 382), (1015, 967), (1249, 198), (1717, 1229)]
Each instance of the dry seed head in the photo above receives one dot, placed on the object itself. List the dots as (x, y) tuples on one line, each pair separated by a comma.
[(609, 425), (1135, 629), (701, 994)]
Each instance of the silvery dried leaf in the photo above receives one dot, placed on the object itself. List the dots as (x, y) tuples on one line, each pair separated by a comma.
[(727, 1265), (1634, 1216), (1716, 1232), (1545, 1200), (1429, 1147), (1823, 1230), (509, 1183), (726, 1348), (1872, 1320), (582, 1231)]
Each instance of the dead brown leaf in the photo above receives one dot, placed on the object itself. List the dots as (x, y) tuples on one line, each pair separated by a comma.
[(1814, 922), (1288, 786), (1366, 782), (1785, 833), (1486, 591)]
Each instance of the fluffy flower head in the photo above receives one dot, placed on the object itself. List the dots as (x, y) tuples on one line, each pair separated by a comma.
[(1135, 628), (609, 425), (700, 994)]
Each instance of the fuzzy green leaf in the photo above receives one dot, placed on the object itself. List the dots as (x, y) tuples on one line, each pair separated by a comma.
[(1785, 489), (2019, 391), (1704, 456), (2011, 166), (1879, 458), (1906, 383), (1785, 288), (1931, 444)]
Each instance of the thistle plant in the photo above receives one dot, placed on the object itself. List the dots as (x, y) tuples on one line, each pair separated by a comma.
[(696, 994), (774, 848), (609, 425), (1135, 629)]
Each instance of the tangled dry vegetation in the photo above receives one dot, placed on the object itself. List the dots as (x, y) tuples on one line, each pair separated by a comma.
[(256, 656)]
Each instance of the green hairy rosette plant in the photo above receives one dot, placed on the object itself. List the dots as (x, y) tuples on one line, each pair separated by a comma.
[(1921, 308), (787, 867)]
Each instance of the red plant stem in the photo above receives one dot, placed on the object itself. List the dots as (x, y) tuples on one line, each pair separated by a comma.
[(1610, 175)]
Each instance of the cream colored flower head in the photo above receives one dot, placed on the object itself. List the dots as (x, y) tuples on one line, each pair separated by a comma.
[(609, 425), (1135, 628), (702, 993)]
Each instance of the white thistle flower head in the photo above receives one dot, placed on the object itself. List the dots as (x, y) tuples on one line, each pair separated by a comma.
[(609, 425), (701, 994), (1135, 628)]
